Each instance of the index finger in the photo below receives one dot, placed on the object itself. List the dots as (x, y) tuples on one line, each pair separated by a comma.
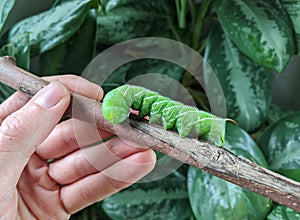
[(74, 83), (79, 85)]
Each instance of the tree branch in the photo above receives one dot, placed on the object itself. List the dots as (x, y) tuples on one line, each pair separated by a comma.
[(203, 155)]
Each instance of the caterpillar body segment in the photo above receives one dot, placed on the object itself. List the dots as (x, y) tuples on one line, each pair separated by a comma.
[(147, 99), (170, 114), (156, 109), (173, 115)]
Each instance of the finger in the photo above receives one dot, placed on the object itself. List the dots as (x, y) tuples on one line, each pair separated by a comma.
[(98, 186), (74, 83), (26, 128), (79, 85), (90, 160), (69, 136), (12, 104), (35, 181)]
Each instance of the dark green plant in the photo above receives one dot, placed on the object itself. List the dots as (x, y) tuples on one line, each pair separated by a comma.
[(247, 43)]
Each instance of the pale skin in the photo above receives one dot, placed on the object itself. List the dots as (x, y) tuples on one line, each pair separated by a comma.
[(30, 135)]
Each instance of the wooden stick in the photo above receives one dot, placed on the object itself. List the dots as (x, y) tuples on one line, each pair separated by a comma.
[(203, 155)]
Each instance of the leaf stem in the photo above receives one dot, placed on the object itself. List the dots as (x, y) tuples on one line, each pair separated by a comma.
[(199, 23), (170, 23), (181, 12), (177, 9), (192, 11)]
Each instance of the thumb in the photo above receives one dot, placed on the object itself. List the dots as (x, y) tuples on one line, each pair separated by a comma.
[(26, 128)]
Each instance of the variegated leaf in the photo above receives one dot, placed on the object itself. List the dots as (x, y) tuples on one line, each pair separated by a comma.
[(5, 8), (260, 29), (215, 198), (166, 198), (293, 9), (141, 19), (280, 144), (246, 85), (52, 27)]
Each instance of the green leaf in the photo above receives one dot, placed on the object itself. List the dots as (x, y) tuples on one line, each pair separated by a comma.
[(141, 19), (5, 92), (293, 9), (144, 66), (236, 139), (160, 71), (246, 85), (52, 27), (166, 198), (51, 62), (260, 29), (276, 112), (5, 8), (108, 5), (213, 198), (117, 78), (281, 212), (93, 3), (74, 55), (81, 47), (103, 3), (281, 146), (19, 50)]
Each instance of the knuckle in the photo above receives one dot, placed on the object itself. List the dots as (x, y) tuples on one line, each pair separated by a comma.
[(17, 125), (72, 80), (86, 194), (114, 184), (14, 102), (80, 165), (67, 134)]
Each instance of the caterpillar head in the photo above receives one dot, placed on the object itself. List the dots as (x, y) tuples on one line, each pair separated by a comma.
[(114, 107)]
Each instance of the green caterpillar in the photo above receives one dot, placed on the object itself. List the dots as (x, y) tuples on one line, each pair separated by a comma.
[(172, 114)]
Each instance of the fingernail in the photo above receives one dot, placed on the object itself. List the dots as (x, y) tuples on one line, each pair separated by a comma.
[(50, 95)]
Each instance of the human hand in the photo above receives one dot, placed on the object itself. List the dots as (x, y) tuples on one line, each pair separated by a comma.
[(31, 187)]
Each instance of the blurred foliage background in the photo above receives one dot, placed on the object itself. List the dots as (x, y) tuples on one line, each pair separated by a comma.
[(251, 45)]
